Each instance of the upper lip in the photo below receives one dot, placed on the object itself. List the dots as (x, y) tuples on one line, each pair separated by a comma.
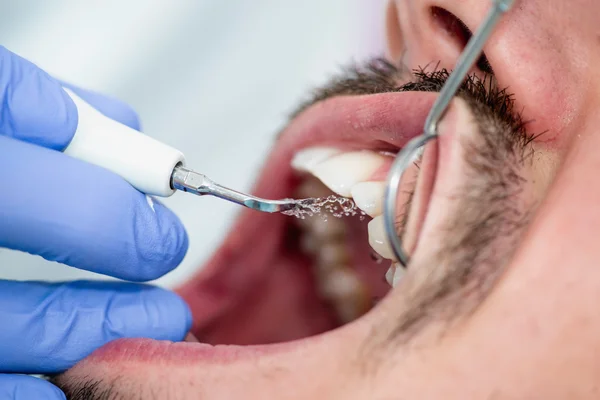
[(384, 121)]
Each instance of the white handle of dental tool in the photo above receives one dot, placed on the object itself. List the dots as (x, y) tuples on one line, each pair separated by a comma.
[(144, 162)]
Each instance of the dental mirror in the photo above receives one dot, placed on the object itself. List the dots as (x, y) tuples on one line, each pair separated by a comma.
[(412, 176)]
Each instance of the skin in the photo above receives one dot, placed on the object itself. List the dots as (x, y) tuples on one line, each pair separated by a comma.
[(535, 332)]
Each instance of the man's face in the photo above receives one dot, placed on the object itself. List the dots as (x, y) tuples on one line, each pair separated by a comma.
[(501, 296)]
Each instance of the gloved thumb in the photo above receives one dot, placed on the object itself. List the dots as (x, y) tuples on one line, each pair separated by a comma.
[(20, 387), (51, 326)]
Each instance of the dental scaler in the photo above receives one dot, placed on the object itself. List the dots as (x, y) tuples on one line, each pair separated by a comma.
[(150, 166)]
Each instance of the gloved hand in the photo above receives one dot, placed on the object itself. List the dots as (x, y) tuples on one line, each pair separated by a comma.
[(68, 211)]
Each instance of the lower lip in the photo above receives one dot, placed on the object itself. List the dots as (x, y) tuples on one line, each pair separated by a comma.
[(149, 351)]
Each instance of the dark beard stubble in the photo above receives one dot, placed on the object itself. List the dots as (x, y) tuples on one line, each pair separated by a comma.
[(482, 238)]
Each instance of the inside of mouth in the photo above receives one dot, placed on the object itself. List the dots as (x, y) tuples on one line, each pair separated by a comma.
[(349, 275), (303, 275), (306, 271), (278, 278)]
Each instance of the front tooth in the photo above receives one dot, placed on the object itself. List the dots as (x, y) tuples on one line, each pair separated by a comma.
[(343, 171), (389, 275), (398, 275), (378, 239), (394, 274), (368, 196), (305, 160)]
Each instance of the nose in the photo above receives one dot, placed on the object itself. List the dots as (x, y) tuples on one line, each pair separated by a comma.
[(432, 34)]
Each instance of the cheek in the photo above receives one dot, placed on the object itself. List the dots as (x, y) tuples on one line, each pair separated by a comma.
[(550, 294), (547, 89), (547, 70), (394, 39)]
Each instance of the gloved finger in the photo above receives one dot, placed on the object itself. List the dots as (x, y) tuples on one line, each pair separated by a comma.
[(49, 327), (22, 387), (82, 215), (111, 107), (36, 109)]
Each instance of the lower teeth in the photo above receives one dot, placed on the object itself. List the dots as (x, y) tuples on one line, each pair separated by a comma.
[(325, 239), (345, 292), (394, 274)]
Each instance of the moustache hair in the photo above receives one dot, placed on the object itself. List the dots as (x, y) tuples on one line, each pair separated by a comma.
[(380, 76), (463, 273)]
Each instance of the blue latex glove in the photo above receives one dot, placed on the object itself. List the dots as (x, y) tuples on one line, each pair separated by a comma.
[(68, 211)]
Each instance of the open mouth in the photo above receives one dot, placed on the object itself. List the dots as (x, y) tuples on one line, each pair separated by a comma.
[(278, 278)]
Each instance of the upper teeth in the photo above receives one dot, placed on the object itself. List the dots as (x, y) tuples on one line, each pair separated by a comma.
[(306, 159), (368, 196), (394, 274), (349, 174), (339, 171), (378, 239)]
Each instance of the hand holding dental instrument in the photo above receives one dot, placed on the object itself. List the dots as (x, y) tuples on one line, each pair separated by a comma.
[(148, 165), (404, 158), (72, 212)]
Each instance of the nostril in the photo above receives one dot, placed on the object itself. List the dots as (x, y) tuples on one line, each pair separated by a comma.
[(453, 25), (459, 32)]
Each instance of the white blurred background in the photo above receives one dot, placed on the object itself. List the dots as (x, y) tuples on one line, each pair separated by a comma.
[(213, 78)]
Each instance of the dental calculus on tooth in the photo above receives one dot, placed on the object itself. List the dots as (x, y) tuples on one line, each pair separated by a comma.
[(349, 174)]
